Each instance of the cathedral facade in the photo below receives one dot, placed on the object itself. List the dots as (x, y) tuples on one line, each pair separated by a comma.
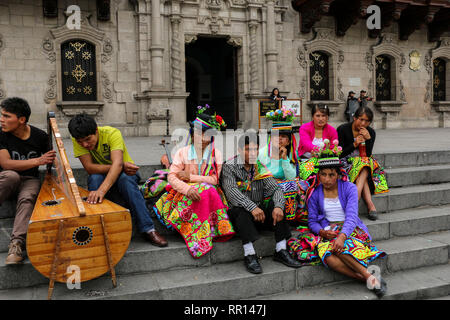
[(144, 66)]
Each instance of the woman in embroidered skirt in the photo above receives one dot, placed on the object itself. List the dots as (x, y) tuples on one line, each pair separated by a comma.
[(279, 157), (195, 206), (357, 140), (340, 238)]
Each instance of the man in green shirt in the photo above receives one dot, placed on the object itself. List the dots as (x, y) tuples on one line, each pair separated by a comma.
[(111, 170)]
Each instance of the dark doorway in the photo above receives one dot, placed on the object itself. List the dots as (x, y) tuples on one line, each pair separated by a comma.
[(211, 78)]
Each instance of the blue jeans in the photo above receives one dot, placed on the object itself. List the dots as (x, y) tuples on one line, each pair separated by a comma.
[(125, 192)]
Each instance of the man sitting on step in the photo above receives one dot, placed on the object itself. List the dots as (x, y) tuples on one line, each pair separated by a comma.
[(112, 172), (23, 148), (246, 184)]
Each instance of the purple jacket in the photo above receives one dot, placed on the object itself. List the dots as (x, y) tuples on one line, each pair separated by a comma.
[(348, 196)]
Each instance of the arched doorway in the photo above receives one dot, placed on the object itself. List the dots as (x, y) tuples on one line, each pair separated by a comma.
[(211, 77)]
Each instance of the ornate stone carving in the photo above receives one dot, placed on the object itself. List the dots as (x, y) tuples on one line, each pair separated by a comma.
[(107, 92), (402, 92), (48, 47), (323, 41), (176, 54), (369, 60), (50, 92), (428, 92), (2, 92), (213, 4), (301, 58), (190, 38), (253, 56), (107, 50), (427, 63), (303, 84), (340, 59), (235, 42), (341, 95)]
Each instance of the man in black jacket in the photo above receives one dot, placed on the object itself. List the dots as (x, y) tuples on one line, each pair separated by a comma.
[(352, 105)]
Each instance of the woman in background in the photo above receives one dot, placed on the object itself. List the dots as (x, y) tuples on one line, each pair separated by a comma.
[(357, 140)]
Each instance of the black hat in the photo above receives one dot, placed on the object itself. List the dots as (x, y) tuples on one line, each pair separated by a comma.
[(326, 163)]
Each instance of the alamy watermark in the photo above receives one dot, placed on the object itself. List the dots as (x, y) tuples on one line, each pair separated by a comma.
[(74, 280), (374, 21), (74, 20)]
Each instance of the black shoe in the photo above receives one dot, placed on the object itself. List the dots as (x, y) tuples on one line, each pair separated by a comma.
[(373, 215), (252, 264), (285, 258), (380, 292)]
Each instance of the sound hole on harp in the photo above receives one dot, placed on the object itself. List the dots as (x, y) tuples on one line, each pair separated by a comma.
[(50, 203), (82, 236)]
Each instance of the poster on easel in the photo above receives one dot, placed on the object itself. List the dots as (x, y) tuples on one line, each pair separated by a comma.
[(265, 106), (296, 106)]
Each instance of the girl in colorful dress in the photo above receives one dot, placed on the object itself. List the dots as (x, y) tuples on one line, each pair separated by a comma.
[(313, 135), (357, 140), (339, 239), (195, 206), (279, 157)]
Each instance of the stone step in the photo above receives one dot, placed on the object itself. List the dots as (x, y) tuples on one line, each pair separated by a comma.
[(407, 222), (410, 197), (421, 283), (400, 177), (221, 280), (412, 159), (403, 254)]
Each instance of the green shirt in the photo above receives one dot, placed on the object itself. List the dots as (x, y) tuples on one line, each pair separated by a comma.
[(109, 139)]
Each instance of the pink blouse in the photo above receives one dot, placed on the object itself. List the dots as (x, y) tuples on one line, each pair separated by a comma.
[(185, 159), (307, 132)]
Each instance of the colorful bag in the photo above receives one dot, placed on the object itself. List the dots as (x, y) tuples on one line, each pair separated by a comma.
[(156, 184)]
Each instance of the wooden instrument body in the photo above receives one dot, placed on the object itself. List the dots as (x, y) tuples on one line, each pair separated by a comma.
[(90, 255), (91, 237)]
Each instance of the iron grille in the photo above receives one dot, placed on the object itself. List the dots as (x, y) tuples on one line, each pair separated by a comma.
[(439, 79), (383, 78), (319, 76), (79, 81)]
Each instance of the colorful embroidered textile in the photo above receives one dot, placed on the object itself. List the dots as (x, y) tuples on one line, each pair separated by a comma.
[(198, 222), (311, 249), (358, 245), (308, 168), (354, 165), (290, 191), (155, 185), (259, 172), (304, 247)]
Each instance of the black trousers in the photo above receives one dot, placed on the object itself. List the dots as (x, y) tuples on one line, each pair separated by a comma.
[(247, 228)]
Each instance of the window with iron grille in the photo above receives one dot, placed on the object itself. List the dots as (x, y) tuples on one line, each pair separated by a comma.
[(383, 78), (319, 83), (439, 79), (79, 81)]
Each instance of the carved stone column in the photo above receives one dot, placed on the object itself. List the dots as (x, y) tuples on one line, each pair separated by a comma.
[(271, 52), (176, 54), (156, 49), (254, 87)]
